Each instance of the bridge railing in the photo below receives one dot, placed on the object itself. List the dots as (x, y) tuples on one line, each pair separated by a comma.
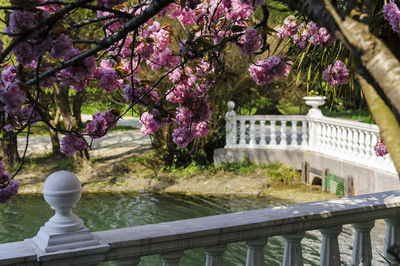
[(343, 138), (64, 240)]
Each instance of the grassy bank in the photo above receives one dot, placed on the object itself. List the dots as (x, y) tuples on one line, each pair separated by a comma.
[(143, 172)]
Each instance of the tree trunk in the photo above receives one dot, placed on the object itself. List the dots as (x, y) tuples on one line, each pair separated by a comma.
[(55, 141), (71, 122), (9, 149)]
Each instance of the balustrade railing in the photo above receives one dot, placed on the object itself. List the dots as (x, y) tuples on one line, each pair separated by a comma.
[(347, 139), (260, 131), (65, 241)]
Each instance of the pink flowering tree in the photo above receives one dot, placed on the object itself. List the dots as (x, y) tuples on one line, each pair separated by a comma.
[(45, 46)]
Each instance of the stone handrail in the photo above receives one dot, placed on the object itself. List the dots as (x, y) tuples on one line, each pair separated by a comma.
[(56, 245), (253, 130), (342, 138)]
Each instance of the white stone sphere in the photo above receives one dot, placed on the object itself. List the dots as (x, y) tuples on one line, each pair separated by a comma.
[(231, 104), (62, 190)]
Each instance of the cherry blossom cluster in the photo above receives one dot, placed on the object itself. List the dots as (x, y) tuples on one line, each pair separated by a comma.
[(265, 70), (101, 122), (391, 12), (250, 42), (300, 34), (380, 148), (8, 187), (336, 74), (72, 143)]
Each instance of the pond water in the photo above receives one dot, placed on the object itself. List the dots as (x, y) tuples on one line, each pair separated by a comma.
[(23, 217)]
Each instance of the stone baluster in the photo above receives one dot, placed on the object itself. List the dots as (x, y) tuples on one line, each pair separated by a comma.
[(171, 259), (334, 138), (349, 142), (329, 140), (355, 142), (362, 251), (283, 133), (374, 140), (367, 144), (361, 143), (128, 262), (242, 137), (304, 136), (330, 255), (252, 141), (293, 136), (262, 133), (255, 252), (273, 133), (323, 137), (344, 139), (292, 255), (319, 134), (392, 237), (215, 255), (338, 138), (231, 127)]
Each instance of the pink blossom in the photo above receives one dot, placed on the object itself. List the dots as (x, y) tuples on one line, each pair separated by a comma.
[(199, 129), (300, 38), (145, 50), (183, 116), (72, 143), (182, 136), (11, 98), (24, 53), (100, 123), (164, 59), (8, 191), (108, 78), (149, 123), (81, 70), (265, 71), (288, 28), (250, 41), (9, 127), (322, 38), (4, 177), (391, 13), (312, 27), (380, 148), (337, 74), (8, 75), (239, 11), (60, 46)]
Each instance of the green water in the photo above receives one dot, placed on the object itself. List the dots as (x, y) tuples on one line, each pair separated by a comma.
[(23, 217)]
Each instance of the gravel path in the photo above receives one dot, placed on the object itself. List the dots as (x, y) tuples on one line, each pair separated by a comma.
[(132, 139)]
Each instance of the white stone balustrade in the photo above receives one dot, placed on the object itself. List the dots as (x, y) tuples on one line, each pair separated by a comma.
[(341, 138), (126, 246), (261, 131)]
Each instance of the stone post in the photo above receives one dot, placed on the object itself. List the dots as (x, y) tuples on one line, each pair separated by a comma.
[(215, 255), (314, 112), (171, 259), (392, 237), (330, 254), (230, 138), (64, 230), (255, 252), (292, 255), (362, 250)]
